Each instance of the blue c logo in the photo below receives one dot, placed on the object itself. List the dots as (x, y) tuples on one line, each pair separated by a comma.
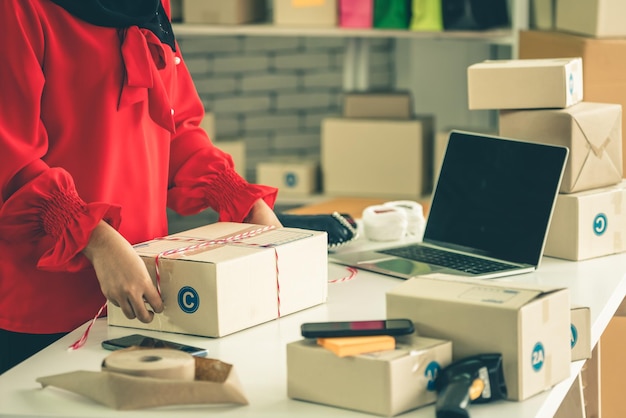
[(571, 84), (431, 373), (538, 357), (291, 179), (188, 299), (574, 336), (600, 223)]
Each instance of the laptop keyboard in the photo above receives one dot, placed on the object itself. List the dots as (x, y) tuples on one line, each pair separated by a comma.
[(456, 261)]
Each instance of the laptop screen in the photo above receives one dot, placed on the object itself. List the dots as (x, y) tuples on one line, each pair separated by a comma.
[(494, 196)]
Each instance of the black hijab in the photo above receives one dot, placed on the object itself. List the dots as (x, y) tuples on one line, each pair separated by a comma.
[(148, 14)]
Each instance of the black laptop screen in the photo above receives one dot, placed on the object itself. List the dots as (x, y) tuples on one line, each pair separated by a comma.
[(494, 196)]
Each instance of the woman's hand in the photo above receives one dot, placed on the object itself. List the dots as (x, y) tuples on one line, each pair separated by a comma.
[(262, 214), (123, 276)]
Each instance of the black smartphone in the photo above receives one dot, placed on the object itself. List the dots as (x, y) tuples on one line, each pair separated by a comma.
[(139, 340), (399, 326)]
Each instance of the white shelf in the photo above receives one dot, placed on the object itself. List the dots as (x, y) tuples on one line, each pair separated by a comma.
[(505, 35)]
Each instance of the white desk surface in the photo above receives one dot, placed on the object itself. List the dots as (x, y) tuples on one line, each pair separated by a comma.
[(258, 353)]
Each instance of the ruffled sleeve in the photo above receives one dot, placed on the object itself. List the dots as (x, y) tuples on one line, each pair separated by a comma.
[(48, 211)]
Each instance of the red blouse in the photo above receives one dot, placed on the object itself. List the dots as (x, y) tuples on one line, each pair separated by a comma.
[(95, 123)]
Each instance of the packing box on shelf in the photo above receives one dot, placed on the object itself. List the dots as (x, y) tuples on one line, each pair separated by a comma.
[(224, 277), (599, 18), (604, 63), (378, 105), (525, 83), (356, 13), (581, 332), (289, 176), (528, 324), (387, 159), (588, 224), (591, 131), (384, 383), (237, 150), (305, 12), (232, 12)]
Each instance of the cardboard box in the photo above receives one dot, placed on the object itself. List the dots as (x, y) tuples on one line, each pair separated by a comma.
[(588, 224), (525, 84), (580, 333), (528, 324), (237, 150), (384, 383), (543, 14), (591, 131), (378, 105), (290, 177), (231, 12), (604, 63), (176, 10), (598, 18), (305, 12), (225, 277), (389, 159), (613, 368)]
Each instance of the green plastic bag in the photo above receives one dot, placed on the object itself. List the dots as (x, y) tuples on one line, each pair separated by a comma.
[(392, 14), (426, 15)]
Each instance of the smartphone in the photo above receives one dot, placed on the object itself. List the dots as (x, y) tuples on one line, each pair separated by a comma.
[(139, 340), (400, 326)]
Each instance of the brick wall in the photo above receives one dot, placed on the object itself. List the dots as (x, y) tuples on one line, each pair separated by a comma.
[(273, 92)]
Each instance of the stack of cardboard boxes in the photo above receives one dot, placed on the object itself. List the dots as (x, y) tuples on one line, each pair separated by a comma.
[(541, 100), (593, 30), (377, 149)]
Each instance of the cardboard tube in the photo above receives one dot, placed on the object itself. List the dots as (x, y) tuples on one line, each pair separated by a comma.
[(162, 363)]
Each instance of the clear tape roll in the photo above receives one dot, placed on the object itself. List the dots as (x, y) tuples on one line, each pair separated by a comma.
[(415, 216), (384, 223), (161, 363)]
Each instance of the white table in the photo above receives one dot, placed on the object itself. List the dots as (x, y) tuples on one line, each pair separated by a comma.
[(258, 353)]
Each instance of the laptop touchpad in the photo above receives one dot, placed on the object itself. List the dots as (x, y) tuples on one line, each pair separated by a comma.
[(404, 267)]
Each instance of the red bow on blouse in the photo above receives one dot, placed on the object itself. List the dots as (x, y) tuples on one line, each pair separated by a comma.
[(144, 55)]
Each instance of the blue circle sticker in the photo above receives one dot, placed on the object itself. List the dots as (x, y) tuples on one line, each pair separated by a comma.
[(431, 373), (600, 223), (291, 179), (571, 83), (538, 357), (574, 336), (188, 299)]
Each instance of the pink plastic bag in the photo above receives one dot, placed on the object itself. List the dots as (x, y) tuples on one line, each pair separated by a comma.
[(356, 13)]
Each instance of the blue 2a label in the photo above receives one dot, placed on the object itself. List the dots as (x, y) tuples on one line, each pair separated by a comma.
[(573, 336), (538, 356), (431, 373), (188, 299)]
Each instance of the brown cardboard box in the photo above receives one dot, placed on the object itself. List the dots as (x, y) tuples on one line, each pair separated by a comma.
[(528, 324), (231, 12), (580, 332), (598, 18), (305, 12), (377, 105), (384, 383), (291, 177), (525, 84), (387, 159), (543, 14), (613, 368), (591, 131), (604, 64), (225, 277), (588, 224)]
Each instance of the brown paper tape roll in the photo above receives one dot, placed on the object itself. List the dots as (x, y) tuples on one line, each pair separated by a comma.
[(160, 363)]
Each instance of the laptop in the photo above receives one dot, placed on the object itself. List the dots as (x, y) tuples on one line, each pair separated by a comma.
[(489, 216)]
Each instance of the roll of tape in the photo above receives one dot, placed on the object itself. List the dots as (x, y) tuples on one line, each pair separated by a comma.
[(384, 223), (415, 216), (161, 363)]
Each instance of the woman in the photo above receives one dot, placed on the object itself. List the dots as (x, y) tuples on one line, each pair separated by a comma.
[(99, 132)]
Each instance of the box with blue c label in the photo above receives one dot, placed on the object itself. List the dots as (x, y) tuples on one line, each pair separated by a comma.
[(580, 333), (225, 277)]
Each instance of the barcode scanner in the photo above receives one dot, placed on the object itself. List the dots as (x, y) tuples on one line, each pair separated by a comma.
[(475, 379)]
